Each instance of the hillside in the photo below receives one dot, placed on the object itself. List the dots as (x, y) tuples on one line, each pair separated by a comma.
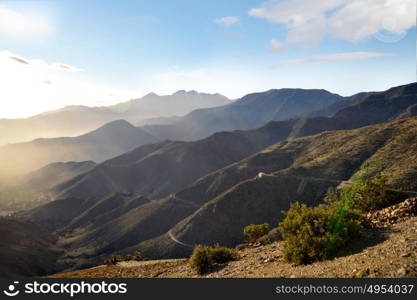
[(302, 168), (344, 113), (296, 170), (184, 162), (55, 173), (251, 111), (78, 120), (216, 207), (388, 252), (112, 139), (331, 109), (157, 170), (26, 250), (33, 189)]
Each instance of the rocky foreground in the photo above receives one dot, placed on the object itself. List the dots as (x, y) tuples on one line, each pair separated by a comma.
[(388, 249)]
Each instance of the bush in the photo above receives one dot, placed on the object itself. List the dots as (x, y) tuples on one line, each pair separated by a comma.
[(317, 233), (367, 195), (206, 259), (119, 258), (200, 260), (321, 232), (253, 232)]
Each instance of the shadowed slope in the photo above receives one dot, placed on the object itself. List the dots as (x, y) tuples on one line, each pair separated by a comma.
[(316, 163)]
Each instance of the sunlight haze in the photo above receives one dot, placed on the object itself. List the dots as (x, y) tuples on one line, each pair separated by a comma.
[(59, 53)]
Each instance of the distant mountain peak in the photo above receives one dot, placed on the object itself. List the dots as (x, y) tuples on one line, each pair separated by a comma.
[(151, 94), (180, 92), (118, 123), (184, 92)]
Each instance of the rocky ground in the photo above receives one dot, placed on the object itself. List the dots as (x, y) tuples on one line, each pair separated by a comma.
[(389, 249)]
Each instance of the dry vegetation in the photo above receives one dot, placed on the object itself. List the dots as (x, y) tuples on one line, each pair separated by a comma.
[(387, 250)]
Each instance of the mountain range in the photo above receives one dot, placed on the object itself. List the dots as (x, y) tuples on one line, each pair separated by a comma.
[(118, 137), (110, 140), (252, 111), (162, 198), (160, 169), (297, 170), (78, 120)]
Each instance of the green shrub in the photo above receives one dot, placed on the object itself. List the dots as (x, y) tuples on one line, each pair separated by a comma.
[(321, 232), (206, 259), (253, 232), (222, 255), (317, 233), (200, 260), (366, 195)]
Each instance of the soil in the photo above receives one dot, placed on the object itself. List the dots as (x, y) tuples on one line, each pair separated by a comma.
[(389, 249)]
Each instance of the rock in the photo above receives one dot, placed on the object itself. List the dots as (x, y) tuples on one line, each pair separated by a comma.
[(363, 273), (241, 246), (393, 214), (402, 271)]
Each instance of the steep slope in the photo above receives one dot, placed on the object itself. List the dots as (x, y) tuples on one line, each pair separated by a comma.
[(77, 120), (216, 207), (33, 189), (313, 164), (249, 112), (331, 109), (387, 253), (107, 141), (55, 173), (26, 250), (343, 113), (159, 170)]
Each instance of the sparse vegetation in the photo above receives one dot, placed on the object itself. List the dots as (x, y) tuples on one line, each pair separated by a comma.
[(206, 259), (137, 256), (367, 194), (317, 233), (253, 232)]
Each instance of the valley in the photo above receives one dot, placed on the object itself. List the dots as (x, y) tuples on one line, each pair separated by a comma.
[(160, 198)]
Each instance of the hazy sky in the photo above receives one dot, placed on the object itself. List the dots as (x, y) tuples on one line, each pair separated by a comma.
[(56, 53)]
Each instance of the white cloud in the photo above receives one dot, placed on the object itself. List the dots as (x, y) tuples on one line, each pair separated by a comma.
[(358, 20), (276, 46), (15, 23), (65, 67), (333, 58), (38, 63), (31, 86), (308, 22), (227, 21), (19, 60)]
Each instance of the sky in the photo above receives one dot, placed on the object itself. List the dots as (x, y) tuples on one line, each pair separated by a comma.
[(101, 52)]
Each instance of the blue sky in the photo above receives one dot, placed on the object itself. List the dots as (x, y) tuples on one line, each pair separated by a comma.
[(56, 53)]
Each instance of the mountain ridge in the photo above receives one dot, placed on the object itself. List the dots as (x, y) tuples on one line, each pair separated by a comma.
[(206, 194), (76, 120), (112, 139)]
